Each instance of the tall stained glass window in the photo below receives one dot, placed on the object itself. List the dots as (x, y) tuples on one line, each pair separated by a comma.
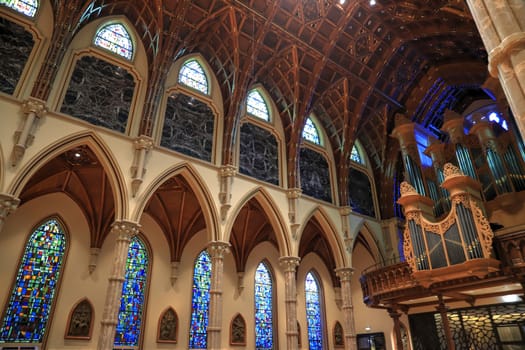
[(133, 295), (200, 301), (25, 7), (36, 283), (115, 38), (256, 106), (263, 308), (192, 74), (313, 312), (355, 156), (310, 132)]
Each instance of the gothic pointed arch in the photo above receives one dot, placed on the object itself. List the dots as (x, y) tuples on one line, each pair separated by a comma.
[(268, 225), (198, 338), (179, 189), (80, 320), (366, 237), (317, 234), (315, 313), (67, 165), (115, 38), (265, 311), (238, 330), (29, 309), (168, 326)]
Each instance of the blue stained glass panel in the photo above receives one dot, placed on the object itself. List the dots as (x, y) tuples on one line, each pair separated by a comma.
[(310, 132), (313, 312), (200, 301), (256, 106), (25, 7), (133, 294), (355, 156), (263, 308), (115, 38), (30, 303), (191, 74)]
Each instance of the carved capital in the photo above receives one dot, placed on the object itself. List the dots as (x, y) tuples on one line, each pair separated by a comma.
[(228, 170), (502, 52), (8, 204), (345, 211), (218, 249), (289, 263), (450, 170), (34, 105), (345, 273), (407, 189), (143, 142), (125, 229), (294, 193)]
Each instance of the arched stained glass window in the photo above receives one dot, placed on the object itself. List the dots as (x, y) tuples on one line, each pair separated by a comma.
[(313, 312), (192, 74), (256, 106), (36, 282), (263, 308), (355, 156), (115, 38), (25, 7), (200, 301), (310, 132), (133, 295)]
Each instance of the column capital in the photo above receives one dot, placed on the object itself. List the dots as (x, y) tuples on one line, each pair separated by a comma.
[(218, 249), (143, 142), (228, 170), (125, 229), (8, 203), (34, 105), (289, 263), (502, 52), (293, 193), (344, 273)]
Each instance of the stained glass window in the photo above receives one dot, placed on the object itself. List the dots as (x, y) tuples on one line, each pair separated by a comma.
[(310, 132), (115, 38), (355, 156), (263, 308), (256, 106), (313, 312), (200, 301), (191, 74), (133, 295), (38, 275), (26, 7)]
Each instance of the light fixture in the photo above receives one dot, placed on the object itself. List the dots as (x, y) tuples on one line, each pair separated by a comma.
[(511, 298), (368, 329), (342, 2), (372, 2)]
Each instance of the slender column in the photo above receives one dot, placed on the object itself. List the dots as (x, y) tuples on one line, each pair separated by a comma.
[(142, 145), (227, 173), (289, 265), (34, 110), (8, 204), (394, 314), (500, 24), (345, 277), (124, 230), (442, 308), (217, 249)]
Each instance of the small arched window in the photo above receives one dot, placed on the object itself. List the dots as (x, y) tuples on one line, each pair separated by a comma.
[(31, 299), (200, 301), (25, 7), (313, 312), (115, 38), (263, 308), (256, 106), (133, 295), (310, 132), (192, 75), (355, 156)]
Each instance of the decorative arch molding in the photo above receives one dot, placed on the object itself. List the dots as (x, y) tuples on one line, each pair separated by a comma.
[(197, 184), (80, 320), (330, 233), (261, 195), (370, 243), (100, 149)]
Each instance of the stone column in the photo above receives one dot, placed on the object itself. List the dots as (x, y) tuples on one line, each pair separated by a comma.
[(8, 204), (34, 110), (217, 249), (500, 24), (142, 146), (345, 277), (289, 265), (124, 230)]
